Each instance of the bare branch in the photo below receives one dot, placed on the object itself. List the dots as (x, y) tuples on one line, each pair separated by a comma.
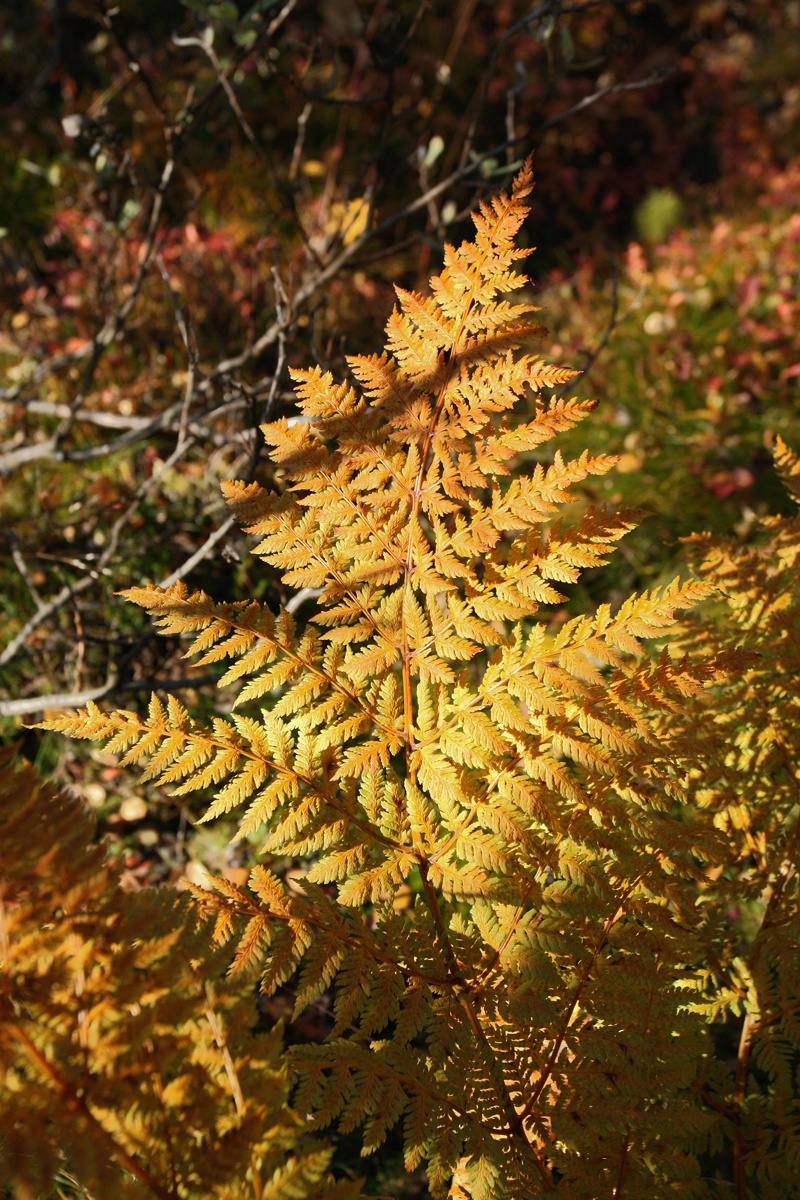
[(22, 567), (47, 609), (36, 704), (199, 554), (635, 85)]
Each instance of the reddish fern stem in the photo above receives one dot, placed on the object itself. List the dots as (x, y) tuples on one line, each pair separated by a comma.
[(739, 1092), (77, 1103), (623, 1167), (579, 990)]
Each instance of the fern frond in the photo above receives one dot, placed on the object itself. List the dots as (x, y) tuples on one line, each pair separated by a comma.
[(113, 1039), (494, 808), (752, 788)]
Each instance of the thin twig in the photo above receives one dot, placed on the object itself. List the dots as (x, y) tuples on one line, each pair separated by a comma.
[(48, 608), (22, 567), (199, 554), (94, 572), (635, 85)]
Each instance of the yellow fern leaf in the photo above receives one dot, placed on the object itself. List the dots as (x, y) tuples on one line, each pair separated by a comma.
[(488, 803)]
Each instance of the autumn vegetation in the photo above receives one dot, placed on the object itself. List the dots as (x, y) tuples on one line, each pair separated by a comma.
[(462, 663)]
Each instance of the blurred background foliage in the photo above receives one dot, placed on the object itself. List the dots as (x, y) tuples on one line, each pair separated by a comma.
[(196, 196), (698, 372)]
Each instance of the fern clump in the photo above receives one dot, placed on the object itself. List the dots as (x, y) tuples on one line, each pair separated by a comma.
[(750, 980), (431, 732), (128, 1062)]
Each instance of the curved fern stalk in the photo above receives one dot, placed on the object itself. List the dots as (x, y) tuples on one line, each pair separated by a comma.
[(429, 731)]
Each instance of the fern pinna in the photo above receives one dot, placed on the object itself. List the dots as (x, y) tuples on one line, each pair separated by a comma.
[(432, 732)]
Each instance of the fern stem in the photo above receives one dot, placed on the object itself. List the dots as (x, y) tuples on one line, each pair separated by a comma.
[(416, 495), (623, 1167), (479, 700), (432, 899), (222, 1045), (327, 797), (723, 1109), (750, 1026), (76, 1103), (258, 1187), (344, 584), (739, 1092), (573, 1004), (247, 909), (516, 1120), (240, 626), (512, 925), (374, 530), (168, 1144), (471, 816)]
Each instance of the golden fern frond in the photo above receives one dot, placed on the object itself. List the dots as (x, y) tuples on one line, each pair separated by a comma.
[(493, 807), (118, 1029), (752, 788), (787, 464)]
